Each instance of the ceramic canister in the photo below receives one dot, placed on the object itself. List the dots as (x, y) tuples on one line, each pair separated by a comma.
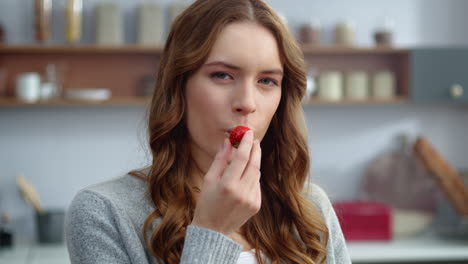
[(357, 85), (28, 87), (330, 86), (383, 85)]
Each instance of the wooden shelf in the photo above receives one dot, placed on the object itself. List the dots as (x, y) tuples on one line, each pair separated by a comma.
[(117, 101), (122, 69), (347, 50), (396, 100)]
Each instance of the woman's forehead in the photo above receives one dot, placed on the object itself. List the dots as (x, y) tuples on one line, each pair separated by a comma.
[(246, 45)]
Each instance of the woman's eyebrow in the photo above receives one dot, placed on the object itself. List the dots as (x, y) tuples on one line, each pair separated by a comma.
[(274, 71), (234, 67), (222, 63)]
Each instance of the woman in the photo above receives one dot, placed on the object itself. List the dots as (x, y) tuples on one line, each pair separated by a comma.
[(225, 63)]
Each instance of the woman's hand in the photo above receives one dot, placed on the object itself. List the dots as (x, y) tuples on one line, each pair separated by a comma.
[(231, 193)]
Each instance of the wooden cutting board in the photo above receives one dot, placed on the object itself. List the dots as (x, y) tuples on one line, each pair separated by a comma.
[(446, 177)]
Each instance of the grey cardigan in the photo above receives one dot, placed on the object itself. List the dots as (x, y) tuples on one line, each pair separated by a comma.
[(104, 224)]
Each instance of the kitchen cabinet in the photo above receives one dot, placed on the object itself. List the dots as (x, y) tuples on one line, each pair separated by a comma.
[(123, 68), (439, 75)]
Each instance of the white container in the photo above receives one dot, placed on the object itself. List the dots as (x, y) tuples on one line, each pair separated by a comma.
[(330, 86), (150, 24), (383, 85), (28, 87), (344, 33), (357, 85), (109, 23)]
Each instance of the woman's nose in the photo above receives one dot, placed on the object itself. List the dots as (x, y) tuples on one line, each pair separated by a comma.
[(245, 99)]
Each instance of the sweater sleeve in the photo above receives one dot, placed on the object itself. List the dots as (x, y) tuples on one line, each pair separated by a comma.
[(207, 246), (337, 251), (94, 234)]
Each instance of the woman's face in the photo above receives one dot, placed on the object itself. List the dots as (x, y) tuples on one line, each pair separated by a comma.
[(239, 84)]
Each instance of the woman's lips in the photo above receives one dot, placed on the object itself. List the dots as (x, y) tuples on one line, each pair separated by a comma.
[(228, 131)]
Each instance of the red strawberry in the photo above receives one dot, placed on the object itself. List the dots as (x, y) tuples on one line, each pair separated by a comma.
[(236, 135)]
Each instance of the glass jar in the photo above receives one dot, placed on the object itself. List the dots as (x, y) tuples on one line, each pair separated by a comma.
[(73, 14), (330, 86), (42, 12)]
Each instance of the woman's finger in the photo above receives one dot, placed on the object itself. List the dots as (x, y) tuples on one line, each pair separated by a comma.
[(240, 159), (252, 172), (220, 161)]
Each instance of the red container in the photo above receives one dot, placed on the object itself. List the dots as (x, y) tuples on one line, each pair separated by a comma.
[(364, 220)]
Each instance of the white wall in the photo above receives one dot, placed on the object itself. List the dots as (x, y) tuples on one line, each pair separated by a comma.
[(344, 139), (62, 150), (366, 15), (416, 22)]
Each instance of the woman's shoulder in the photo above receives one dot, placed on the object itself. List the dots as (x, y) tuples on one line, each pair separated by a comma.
[(102, 220), (123, 186), (117, 188), (124, 193), (336, 249), (317, 195)]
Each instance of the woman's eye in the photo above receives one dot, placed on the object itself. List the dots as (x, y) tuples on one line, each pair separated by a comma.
[(268, 81), (221, 75)]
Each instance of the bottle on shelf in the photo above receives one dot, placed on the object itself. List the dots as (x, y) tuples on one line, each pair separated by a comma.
[(73, 15), (42, 12), (109, 24), (150, 24)]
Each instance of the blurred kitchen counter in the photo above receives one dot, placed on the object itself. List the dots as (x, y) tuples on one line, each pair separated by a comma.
[(422, 249), (426, 248), (35, 254)]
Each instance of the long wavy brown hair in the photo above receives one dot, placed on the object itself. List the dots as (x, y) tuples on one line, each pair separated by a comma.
[(288, 228)]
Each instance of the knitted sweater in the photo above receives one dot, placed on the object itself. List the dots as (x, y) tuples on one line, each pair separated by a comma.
[(104, 224)]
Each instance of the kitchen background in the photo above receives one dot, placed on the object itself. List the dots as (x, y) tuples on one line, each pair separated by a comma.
[(63, 149)]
